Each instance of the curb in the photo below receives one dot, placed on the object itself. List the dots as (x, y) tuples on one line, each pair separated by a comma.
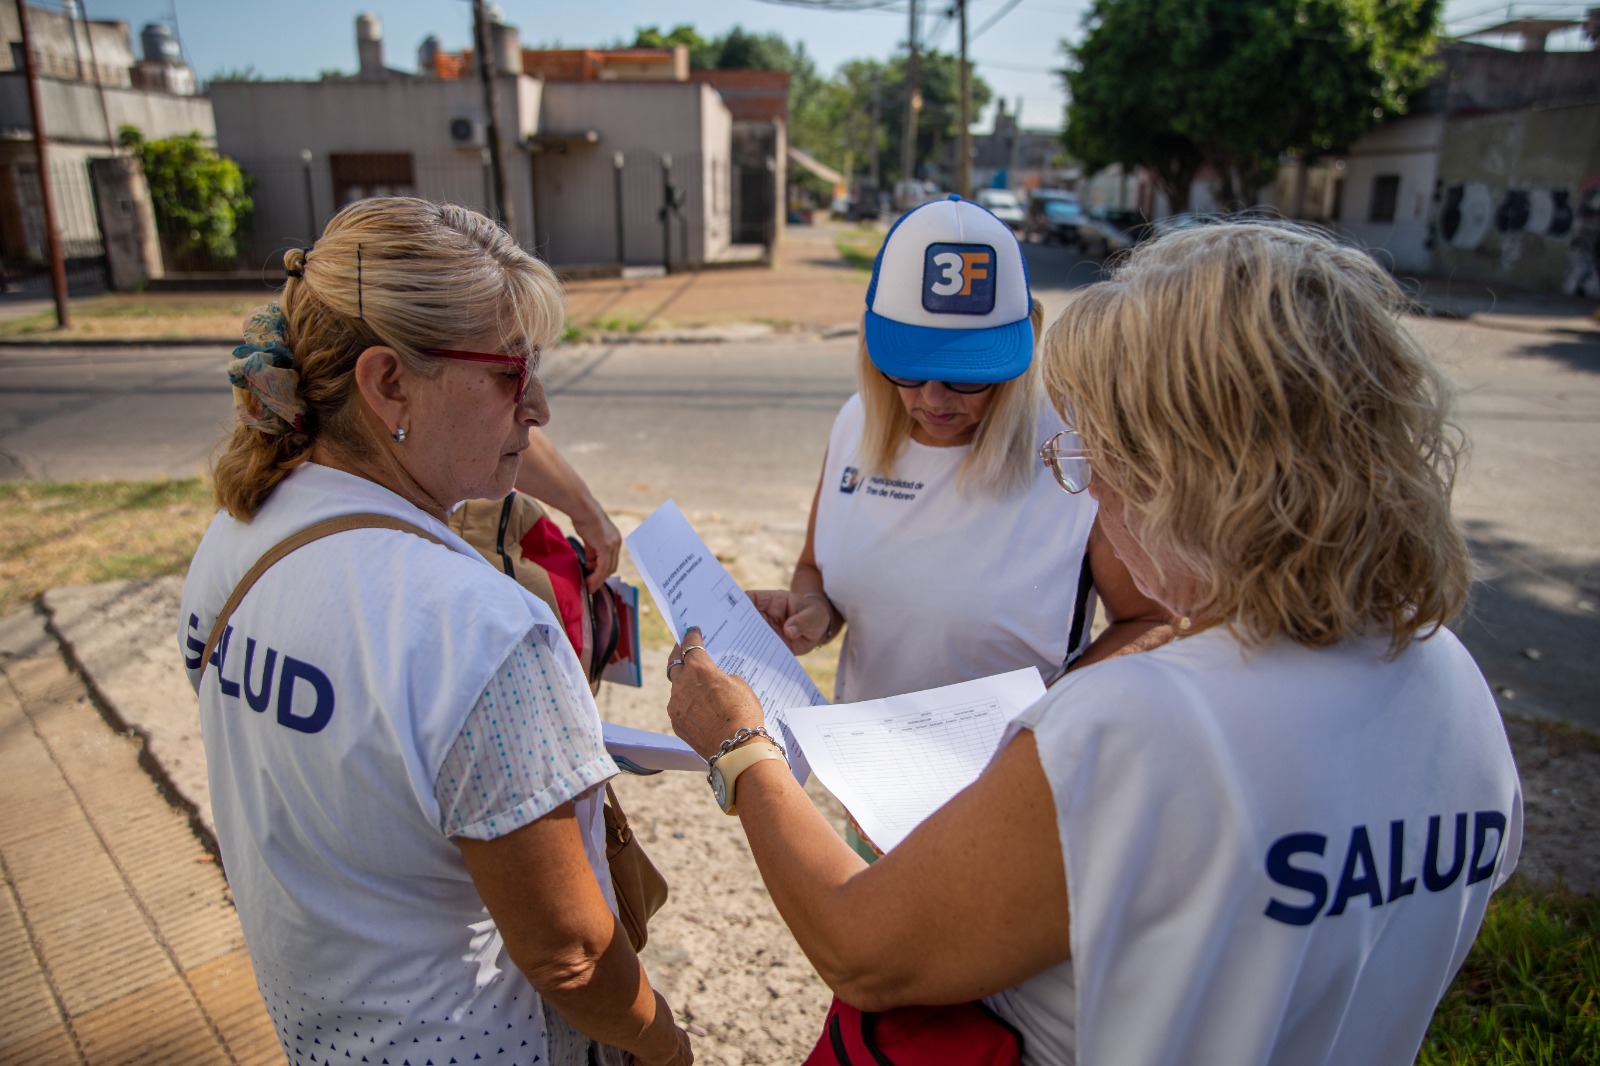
[(751, 333), (229, 343)]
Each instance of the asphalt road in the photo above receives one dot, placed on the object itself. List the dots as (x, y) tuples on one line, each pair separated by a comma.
[(739, 430)]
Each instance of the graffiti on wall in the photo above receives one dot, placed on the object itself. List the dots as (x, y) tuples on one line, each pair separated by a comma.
[(1467, 213)]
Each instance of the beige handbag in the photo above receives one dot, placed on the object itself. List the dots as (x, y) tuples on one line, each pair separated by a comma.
[(639, 886)]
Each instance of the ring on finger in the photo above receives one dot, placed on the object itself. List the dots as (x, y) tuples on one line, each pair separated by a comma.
[(670, 665), (694, 647)]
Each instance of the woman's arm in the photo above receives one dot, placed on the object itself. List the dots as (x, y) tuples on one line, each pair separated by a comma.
[(1136, 622), (546, 475), (803, 616), (973, 901), (542, 894)]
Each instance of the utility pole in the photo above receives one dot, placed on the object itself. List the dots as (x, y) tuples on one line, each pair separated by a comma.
[(58, 266), (877, 120), (908, 137), (964, 142), (491, 106)]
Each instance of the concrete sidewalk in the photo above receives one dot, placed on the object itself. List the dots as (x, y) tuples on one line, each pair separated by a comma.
[(118, 941)]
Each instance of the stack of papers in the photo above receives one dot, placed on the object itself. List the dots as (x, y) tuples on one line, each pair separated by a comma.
[(892, 762)]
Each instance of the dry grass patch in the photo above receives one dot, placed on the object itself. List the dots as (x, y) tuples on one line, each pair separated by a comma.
[(144, 316), (81, 532)]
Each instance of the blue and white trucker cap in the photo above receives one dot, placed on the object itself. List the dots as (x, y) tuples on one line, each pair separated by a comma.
[(949, 298)]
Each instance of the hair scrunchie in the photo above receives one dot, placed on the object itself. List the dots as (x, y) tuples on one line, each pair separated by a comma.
[(266, 393)]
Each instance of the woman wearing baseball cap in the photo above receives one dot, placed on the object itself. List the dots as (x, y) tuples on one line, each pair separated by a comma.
[(935, 532)]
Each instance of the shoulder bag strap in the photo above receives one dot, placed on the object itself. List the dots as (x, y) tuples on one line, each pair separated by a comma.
[(316, 531)]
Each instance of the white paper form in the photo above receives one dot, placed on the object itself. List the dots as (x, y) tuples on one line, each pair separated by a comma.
[(641, 751), (892, 762), (691, 588)]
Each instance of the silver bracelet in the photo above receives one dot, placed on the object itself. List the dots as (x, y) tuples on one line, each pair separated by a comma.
[(828, 635), (739, 738)]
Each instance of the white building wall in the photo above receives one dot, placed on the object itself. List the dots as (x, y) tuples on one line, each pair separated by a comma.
[(645, 122), (716, 193), (1407, 148), (265, 126)]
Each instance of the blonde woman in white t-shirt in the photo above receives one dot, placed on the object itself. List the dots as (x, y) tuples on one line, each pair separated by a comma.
[(1271, 841), (934, 531), (406, 763)]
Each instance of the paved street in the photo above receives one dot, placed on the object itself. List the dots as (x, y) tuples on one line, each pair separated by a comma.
[(739, 430)]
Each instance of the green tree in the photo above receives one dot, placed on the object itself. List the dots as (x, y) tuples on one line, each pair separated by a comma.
[(702, 53), (1172, 84), (201, 199), (939, 121)]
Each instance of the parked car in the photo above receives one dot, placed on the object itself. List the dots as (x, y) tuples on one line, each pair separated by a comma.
[(1054, 220), (914, 193), (1004, 205), (866, 202), (1111, 229)]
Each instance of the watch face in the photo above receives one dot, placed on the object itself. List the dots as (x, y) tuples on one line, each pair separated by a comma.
[(719, 788)]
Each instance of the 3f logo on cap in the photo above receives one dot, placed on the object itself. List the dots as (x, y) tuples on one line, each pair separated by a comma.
[(958, 279)]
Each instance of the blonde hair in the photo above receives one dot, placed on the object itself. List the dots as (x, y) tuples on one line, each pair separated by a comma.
[(1281, 442), (1004, 450), (395, 271)]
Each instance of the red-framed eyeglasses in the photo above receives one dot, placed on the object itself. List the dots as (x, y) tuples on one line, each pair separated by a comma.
[(523, 363)]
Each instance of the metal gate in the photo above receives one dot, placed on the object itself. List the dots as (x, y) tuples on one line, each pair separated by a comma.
[(595, 207), (24, 250)]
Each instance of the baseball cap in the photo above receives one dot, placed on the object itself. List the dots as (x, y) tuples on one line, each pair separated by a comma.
[(949, 298)]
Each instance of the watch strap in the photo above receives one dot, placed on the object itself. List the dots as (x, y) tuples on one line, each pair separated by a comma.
[(740, 759)]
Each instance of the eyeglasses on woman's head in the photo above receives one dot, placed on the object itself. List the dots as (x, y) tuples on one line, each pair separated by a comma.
[(1068, 461), (965, 388), (523, 363)]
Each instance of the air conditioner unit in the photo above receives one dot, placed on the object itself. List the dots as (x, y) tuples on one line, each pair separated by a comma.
[(468, 131)]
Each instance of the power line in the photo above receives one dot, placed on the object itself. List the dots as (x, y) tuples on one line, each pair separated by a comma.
[(996, 17), (842, 5)]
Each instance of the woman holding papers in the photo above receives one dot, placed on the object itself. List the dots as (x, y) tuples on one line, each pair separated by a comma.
[(932, 512), (405, 758), (934, 530), (1272, 840)]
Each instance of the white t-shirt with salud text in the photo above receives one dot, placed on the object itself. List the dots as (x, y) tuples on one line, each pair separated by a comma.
[(941, 583), (1274, 858), (335, 711)]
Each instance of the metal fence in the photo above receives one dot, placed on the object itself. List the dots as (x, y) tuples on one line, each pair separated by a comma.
[(24, 248)]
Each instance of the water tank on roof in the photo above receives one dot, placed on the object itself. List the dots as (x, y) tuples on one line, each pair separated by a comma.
[(428, 56), (160, 46), (369, 46)]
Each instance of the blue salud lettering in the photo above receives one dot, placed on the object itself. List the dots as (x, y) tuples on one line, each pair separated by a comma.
[(289, 670), (220, 657), (1360, 876), (194, 645), (258, 700)]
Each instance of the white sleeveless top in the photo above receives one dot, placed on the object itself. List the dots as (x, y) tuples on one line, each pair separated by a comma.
[(327, 713), (942, 584), (1273, 859)]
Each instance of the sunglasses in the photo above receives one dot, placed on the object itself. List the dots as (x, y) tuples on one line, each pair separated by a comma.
[(965, 388), (523, 363)]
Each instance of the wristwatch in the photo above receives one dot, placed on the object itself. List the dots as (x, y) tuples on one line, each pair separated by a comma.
[(725, 771)]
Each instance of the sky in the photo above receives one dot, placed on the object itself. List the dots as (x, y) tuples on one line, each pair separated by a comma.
[(1016, 55)]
